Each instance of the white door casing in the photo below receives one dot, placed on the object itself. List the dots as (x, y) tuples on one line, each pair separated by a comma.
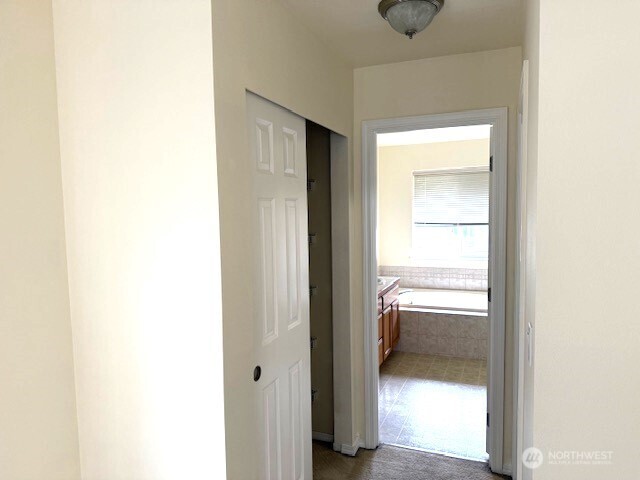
[(520, 277), (277, 145), (497, 118)]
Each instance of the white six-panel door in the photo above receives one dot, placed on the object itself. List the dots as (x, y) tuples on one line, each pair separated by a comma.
[(281, 290)]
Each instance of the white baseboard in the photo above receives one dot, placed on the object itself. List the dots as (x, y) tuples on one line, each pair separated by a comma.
[(323, 437), (350, 450)]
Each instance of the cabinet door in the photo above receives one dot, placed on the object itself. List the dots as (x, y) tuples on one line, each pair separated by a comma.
[(386, 332), (395, 323)]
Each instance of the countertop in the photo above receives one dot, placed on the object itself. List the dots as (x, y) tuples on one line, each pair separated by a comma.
[(385, 284)]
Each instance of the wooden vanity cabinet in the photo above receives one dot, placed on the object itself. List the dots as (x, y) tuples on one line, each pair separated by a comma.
[(388, 320)]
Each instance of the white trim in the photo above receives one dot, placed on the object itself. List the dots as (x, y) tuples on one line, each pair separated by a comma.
[(322, 437), (350, 450), (520, 270), (369, 282), (497, 118), (343, 418)]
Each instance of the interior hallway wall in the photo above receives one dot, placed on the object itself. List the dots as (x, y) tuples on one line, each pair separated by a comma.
[(137, 141), (38, 429), (260, 46), (587, 258), (439, 85)]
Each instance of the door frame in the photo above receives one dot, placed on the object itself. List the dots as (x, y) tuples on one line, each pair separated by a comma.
[(343, 416), (520, 273), (498, 119)]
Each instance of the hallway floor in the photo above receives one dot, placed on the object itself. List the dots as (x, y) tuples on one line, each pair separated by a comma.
[(393, 463), (434, 403)]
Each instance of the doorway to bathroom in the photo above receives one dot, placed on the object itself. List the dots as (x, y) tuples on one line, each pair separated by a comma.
[(434, 211)]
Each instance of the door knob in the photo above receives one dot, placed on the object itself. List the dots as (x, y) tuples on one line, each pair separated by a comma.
[(256, 373)]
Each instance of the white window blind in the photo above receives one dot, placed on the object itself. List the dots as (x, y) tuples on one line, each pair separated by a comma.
[(451, 216), (451, 198)]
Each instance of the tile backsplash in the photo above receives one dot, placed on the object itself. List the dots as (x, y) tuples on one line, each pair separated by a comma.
[(441, 278)]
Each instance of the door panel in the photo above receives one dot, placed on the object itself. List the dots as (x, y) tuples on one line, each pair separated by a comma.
[(296, 443), (271, 409), (280, 287), (293, 261), (268, 283)]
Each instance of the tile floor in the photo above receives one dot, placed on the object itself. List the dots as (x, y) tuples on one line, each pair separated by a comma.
[(434, 403)]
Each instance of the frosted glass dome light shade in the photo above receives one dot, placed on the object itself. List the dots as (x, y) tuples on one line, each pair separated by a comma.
[(409, 16)]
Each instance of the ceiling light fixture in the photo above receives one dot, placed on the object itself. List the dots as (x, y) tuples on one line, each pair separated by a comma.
[(409, 16)]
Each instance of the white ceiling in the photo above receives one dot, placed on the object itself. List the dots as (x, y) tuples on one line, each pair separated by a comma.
[(355, 29), (434, 135)]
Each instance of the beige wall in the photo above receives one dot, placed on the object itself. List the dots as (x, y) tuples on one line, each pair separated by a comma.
[(259, 46), (38, 430), (439, 85), (137, 144), (586, 238), (396, 165)]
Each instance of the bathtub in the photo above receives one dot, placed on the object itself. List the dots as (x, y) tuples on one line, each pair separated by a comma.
[(445, 300), (444, 322)]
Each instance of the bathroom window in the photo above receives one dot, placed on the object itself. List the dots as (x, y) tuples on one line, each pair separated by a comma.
[(451, 216)]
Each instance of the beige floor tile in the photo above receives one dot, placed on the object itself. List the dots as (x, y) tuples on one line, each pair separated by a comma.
[(416, 407)]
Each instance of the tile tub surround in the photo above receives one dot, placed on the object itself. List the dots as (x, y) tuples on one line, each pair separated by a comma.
[(451, 334), (440, 278), (434, 403)]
